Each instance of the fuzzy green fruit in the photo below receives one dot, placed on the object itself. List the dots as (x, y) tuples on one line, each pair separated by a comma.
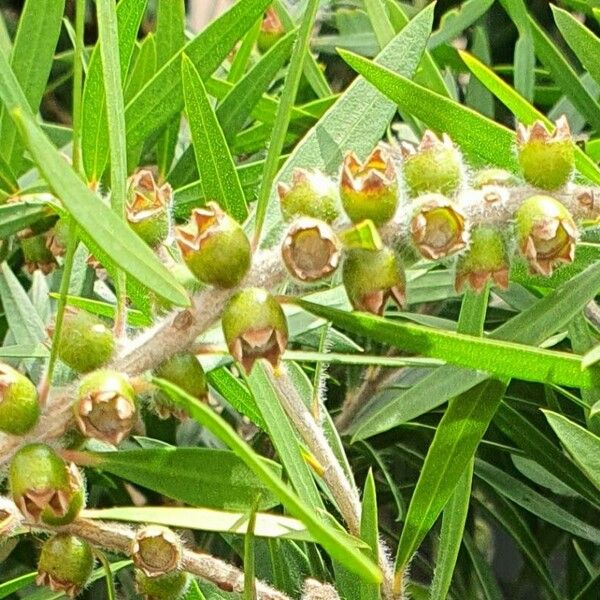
[(19, 403), (44, 487), (86, 343), (66, 564), (171, 586)]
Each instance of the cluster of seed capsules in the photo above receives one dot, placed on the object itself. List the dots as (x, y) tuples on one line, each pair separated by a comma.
[(49, 492)]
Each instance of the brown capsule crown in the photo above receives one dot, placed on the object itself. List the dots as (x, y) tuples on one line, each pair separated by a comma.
[(156, 550)]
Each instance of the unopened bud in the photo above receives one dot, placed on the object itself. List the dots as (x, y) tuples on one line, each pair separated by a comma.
[(372, 277), (106, 406), (547, 160), (66, 564), (156, 550), (214, 247), (271, 30), (44, 487), (485, 260), (19, 403), (438, 228), (148, 207), (546, 233), (254, 327), (311, 194), (310, 250), (171, 586), (86, 343), (434, 166), (369, 190)]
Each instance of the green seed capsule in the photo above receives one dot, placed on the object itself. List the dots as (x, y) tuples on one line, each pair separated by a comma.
[(36, 254), (171, 586), (66, 564), (148, 207), (369, 190), (434, 167), (44, 487), (254, 327), (106, 406), (547, 160), (86, 343), (184, 370), (493, 177), (546, 233), (311, 194), (214, 247), (372, 277), (19, 403)]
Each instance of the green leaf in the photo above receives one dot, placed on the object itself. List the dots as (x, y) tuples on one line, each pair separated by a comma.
[(223, 482), (451, 535), (194, 592), (483, 571), (478, 137), (532, 326), (536, 503), (358, 119), (380, 20), (525, 112), (497, 357), (143, 67), (161, 98), (205, 519), (218, 177), (94, 134), (236, 107), (31, 61), (250, 557), (364, 235), (564, 75), (369, 532), (591, 357), (282, 120), (17, 216), (455, 441), (331, 539), (14, 585), (455, 21), (98, 224), (581, 444)]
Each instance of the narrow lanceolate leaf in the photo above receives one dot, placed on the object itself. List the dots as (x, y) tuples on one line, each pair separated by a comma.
[(523, 110), (155, 105), (218, 176), (329, 537), (369, 532), (360, 116), (114, 242), (282, 120), (94, 134), (497, 357), (456, 21), (18, 216), (238, 104), (455, 441), (14, 585), (478, 137), (31, 61), (223, 482), (581, 444)]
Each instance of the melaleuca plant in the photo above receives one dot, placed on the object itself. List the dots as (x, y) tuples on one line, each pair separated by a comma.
[(299, 299)]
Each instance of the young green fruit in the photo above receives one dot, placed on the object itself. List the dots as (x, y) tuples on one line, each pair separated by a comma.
[(86, 343), (369, 190), (184, 370), (311, 194), (148, 207), (311, 251), (485, 260), (36, 253), (19, 403), (372, 277), (214, 247), (156, 551), (547, 160), (435, 166), (271, 31), (106, 406), (493, 177), (546, 233), (438, 227), (254, 327), (44, 487), (66, 564), (171, 586)]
